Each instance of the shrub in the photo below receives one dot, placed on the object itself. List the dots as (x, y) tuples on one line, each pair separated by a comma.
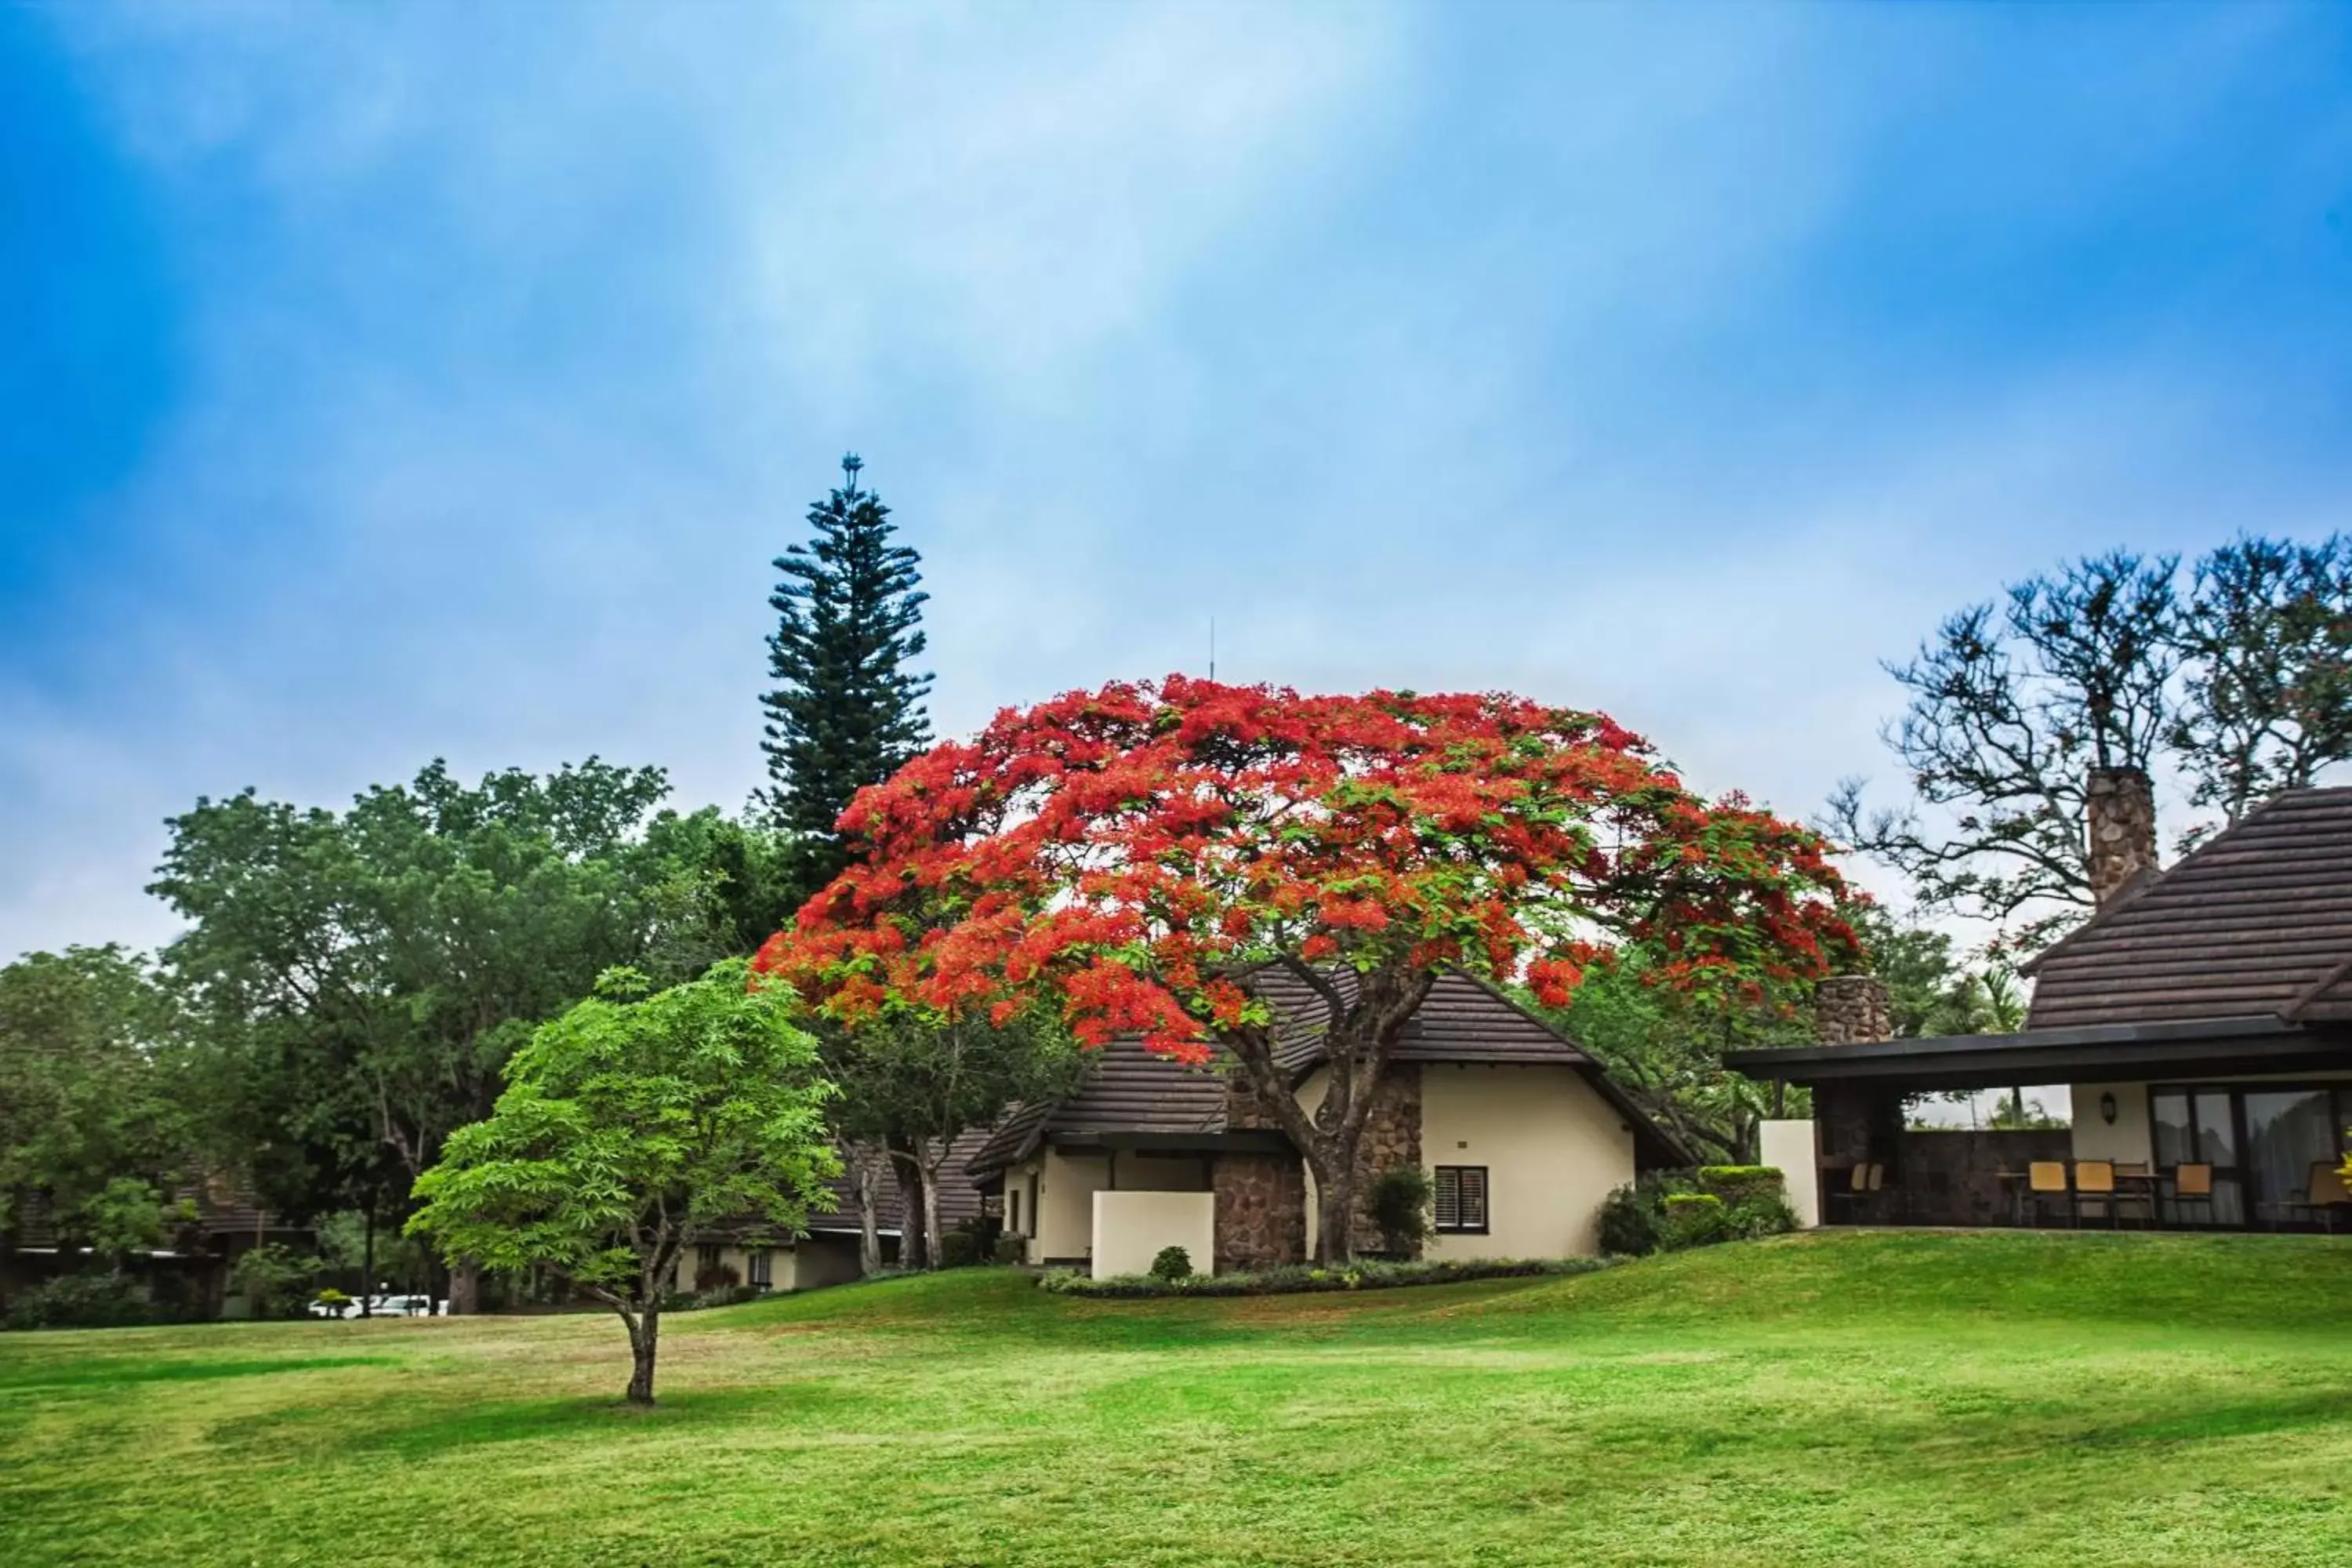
[(960, 1248), (1629, 1222), (1172, 1263), (1298, 1278), (1398, 1201), (1693, 1219), (1737, 1185), (82, 1301), (330, 1297), (1009, 1251), (716, 1279), (1765, 1214), (274, 1280)]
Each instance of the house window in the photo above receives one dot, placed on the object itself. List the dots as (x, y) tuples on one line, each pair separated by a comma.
[(1013, 1212), (1461, 1205), (763, 1272)]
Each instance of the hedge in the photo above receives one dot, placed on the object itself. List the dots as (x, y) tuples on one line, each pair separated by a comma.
[(1297, 1278)]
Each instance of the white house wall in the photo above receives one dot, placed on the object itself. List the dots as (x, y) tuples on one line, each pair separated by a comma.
[(1553, 1148)]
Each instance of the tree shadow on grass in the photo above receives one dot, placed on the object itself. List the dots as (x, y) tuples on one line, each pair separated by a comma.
[(35, 1377), (514, 1421)]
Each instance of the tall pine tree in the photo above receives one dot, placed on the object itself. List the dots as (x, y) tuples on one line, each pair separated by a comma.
[(847, 710)]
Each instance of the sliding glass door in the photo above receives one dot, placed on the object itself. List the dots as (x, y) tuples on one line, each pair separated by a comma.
[(2199, 1127), (2271, 1150), (2291, 1147)]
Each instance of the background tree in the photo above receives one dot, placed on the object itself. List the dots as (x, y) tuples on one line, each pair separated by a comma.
[(1129, 855), (2237, 689), (2010, 708), (95, 1116), (2267, 641), (364, 976), (628, 1127), (914, 1080), (845, 712)]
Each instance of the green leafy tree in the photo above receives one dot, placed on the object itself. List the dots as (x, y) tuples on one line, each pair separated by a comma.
[(1667, 1045), (847, 710), (94, 1097), (362, 977), (914, 1080), (628, 1127)]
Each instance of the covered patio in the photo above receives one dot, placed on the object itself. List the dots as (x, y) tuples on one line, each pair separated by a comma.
[(2234, 1124)]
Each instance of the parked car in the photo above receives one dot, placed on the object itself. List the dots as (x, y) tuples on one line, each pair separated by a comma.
[(384, 1307)]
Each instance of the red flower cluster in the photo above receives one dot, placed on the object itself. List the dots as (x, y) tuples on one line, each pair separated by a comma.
[(1123, 854)]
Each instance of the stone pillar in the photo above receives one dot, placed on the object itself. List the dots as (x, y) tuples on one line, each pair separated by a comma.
[(1856, 1123), (2119, 816), (1851, 1009), (1261, 1211), (1392, 1137)]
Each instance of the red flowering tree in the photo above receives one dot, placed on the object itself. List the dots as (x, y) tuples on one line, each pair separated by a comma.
[(1128, 857)]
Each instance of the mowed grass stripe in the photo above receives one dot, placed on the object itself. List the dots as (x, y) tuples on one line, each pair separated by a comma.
[(1894, 1397)]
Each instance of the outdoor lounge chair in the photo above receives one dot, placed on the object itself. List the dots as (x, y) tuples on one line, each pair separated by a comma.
[(2192, 1185), (2324, 1193), (2047, 1178)]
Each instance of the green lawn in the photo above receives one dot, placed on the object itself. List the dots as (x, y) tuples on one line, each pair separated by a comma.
[(1895, 1397)]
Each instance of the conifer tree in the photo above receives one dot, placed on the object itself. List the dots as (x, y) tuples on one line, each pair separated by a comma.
[(847, 710)]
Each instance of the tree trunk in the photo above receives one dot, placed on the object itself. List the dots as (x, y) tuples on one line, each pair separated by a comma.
[(912, 1252), (932, 1246), (1335, 1209), (863, 1177), (645, 1335), (465, 1288), (367, 1265)]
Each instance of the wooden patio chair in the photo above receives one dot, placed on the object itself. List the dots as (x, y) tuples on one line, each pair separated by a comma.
[(2095, 1183), (2047, 1178), (2193, 1184), (2324, 1192)]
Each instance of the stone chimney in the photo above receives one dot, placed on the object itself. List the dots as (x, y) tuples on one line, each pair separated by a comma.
[(1851, 1009), (2119, 810)]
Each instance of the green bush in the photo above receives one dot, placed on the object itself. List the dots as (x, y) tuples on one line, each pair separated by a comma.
[(1737, 1185), (274, 1280), (1764, 1214), (82, 1301), (1630, 1218), (1009, 1251), (962, 1248), (1398, 1201), (1298, 1278), (1173, 1263), (715, 1279), (1693, 1219)]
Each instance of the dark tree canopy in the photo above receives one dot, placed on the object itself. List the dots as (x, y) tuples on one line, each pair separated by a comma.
[(95, 1118), (362, 976), (2238, 687), (846, 710)]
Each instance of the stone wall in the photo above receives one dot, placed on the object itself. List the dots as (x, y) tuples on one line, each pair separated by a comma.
[(1952, 1175), (1261, 1211)]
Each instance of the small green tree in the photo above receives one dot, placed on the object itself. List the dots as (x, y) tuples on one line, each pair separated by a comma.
[(1398, 1200), (628, 1126)]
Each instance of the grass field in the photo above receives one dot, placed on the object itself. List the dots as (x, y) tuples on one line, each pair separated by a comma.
[(1855, 1399)]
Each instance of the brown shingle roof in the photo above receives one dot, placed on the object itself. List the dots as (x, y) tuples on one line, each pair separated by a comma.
[(1129, 1089), (2256, 921)]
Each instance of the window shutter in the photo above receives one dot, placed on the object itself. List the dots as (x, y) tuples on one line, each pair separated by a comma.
[(1448, 1204)]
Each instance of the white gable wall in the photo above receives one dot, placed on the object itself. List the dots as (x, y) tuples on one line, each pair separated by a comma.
[(1553, 1148)]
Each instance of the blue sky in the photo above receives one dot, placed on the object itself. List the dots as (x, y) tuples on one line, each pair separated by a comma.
[(387, 381)]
